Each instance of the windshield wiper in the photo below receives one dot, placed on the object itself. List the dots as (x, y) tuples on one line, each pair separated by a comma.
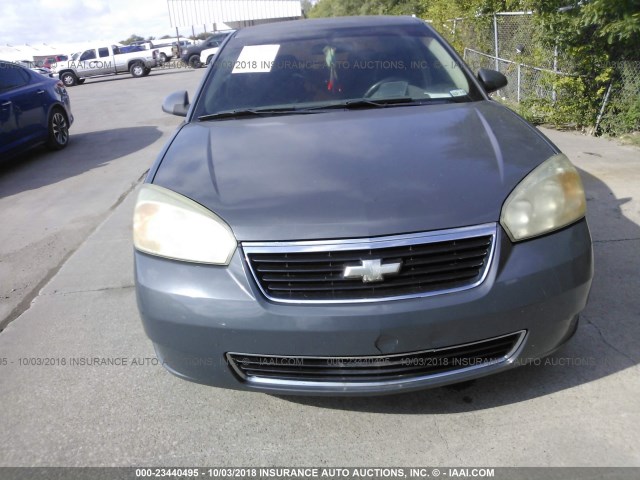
[(376, 103), (253, 112), (380, 103), (349, 104)]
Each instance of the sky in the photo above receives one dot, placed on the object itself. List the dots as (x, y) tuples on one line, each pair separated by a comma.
[(67, 21)]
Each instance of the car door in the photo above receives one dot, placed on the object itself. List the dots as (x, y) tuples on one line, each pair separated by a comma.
[(105, 61), (119, 58), (23, 107), (88, 65)]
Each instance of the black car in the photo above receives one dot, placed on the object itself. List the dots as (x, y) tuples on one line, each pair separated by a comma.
[(191, 55)]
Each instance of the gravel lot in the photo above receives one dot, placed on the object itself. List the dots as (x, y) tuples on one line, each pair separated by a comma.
[(66, 294)]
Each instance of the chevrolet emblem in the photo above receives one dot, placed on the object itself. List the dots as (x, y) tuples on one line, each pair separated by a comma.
[(372, 270)]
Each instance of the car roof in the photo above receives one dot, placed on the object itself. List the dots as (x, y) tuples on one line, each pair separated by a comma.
[(314, 26), (10, 64), (220, 34)]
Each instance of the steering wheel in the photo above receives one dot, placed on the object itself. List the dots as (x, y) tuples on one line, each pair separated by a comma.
[(374, 88)]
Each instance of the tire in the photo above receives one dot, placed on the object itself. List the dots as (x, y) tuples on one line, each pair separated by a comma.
[(209, 59), (146, 72), (58, 136), (163, 57), (81, 81), (69, 79), (137, 69), (194, 61)]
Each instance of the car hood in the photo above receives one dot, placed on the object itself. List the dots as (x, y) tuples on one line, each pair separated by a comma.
[(357, 173)]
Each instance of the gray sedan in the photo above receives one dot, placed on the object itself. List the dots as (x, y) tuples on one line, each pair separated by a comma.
[(346, 211)]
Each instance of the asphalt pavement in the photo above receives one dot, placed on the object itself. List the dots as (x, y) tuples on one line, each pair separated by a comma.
[(68, 308)]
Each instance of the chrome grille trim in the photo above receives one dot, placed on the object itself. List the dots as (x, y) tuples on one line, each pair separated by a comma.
[(355, 386), (489, 229)]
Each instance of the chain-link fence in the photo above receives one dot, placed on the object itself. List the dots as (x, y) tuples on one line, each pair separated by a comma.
[(477, 33), (525, 81), (515, 38), (511, 43), (512, 36), (620, 111)]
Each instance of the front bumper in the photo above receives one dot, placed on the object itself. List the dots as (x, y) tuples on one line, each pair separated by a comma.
[(196, 314)]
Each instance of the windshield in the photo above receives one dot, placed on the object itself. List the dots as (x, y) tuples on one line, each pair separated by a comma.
[(337, 67)]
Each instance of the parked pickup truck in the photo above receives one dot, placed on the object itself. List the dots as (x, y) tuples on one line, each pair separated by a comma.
[(107, 60), (165, 47)]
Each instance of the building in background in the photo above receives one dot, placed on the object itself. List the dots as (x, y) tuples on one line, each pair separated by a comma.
[(213, 15)]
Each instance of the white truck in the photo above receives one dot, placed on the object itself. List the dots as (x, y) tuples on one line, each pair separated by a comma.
[(165, 47), (207, 55), (104, 60)]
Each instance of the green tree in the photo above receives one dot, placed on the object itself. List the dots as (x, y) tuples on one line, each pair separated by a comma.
[(201, 36), (306, 7), (132, 38), (618, 22), (341, 8)]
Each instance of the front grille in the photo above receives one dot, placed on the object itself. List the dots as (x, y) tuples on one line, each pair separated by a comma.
[(372, 369), (438, 262)]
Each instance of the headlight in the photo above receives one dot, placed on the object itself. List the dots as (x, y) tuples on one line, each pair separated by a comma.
[(170, 225), (549, 198)]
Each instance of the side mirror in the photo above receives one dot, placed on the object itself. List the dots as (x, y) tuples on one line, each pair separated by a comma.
[(177, 103), (492, 80)]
